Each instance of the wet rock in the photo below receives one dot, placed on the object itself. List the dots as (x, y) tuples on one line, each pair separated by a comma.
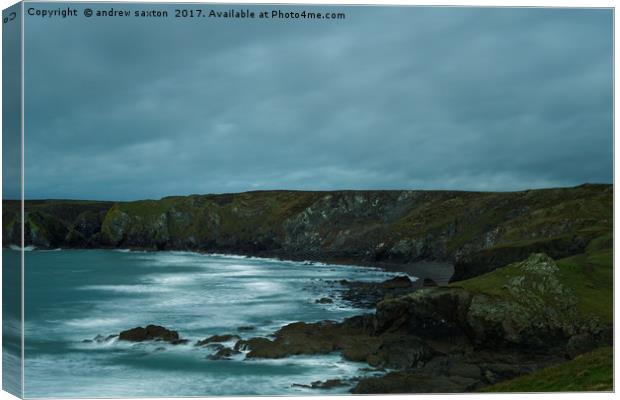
[(151, 332), (99, 339), (258, 344), (217, 339), (225, 353), (328, 384), (215, 346), (324, 300), (353, 338), (311, 338)]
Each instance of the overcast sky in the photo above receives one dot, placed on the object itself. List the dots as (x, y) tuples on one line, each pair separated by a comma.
[(390, 98)]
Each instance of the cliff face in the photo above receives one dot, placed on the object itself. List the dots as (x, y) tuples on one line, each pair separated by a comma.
[(477, 232)]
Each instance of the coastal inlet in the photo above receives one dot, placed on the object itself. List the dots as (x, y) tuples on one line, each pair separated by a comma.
[(78, 300)]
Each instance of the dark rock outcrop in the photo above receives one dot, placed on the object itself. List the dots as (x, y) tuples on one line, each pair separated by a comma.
[(151, 332), (224, 353), (217, 339), (328, 384)]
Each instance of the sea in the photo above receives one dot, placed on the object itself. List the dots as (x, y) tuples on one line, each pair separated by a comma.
[(75, 299)]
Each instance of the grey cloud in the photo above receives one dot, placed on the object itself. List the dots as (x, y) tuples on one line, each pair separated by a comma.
[(391, 98)]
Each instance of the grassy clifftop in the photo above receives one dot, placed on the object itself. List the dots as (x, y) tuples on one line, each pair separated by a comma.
[(476, 231)]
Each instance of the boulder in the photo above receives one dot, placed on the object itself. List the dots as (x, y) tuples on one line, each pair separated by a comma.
[(151, 332)]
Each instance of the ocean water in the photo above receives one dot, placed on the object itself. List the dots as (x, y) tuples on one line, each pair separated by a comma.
[(73, 295)]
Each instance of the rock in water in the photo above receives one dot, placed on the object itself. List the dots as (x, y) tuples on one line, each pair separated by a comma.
[(225, 353), (217, 339), (151, 332)]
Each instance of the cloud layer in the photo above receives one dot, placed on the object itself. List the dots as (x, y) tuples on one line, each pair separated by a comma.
[(390, 98)]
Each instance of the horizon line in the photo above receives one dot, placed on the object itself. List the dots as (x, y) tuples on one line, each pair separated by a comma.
[(314, 191)]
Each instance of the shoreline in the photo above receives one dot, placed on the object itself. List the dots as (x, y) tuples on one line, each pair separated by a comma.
[(437, 271), (440, 339)]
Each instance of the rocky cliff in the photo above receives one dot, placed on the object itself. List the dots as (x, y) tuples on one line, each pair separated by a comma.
[(475, 231)]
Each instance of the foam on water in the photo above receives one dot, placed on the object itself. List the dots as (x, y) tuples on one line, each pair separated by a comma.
[(73, 297), (127, 288), (18, 248)]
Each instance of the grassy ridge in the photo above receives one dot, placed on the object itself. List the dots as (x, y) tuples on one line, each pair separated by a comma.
[(588, 372)]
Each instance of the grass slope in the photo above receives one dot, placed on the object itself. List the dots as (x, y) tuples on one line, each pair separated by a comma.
[(592, 371)]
